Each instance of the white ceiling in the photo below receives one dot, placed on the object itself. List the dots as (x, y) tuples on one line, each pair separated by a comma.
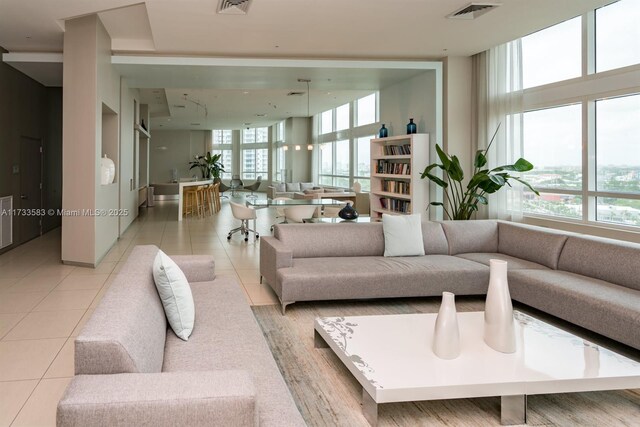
[(337, 29)]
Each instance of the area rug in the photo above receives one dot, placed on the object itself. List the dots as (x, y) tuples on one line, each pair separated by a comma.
[(328, 395)]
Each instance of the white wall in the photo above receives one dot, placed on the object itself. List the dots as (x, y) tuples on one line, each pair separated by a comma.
[(458, 75), (412, 98), (181, 147), (128, 195), (297, 133)]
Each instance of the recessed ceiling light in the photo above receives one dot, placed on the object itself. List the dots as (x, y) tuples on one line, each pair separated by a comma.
[(328, 93), (168, 120), (195, 124), (277, 46), (28, 37), (245, 92), (261, 115)]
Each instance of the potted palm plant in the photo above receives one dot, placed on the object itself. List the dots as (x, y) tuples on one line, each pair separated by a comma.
[(210, 166), (461, 203)]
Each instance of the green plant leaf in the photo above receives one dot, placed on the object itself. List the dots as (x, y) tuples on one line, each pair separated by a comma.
[(428, 169), (455, 169), (444, 158), (481, 199), (522, 165), (497, 179), (437, 180), (525, 183), (480, 159), (436, 204)]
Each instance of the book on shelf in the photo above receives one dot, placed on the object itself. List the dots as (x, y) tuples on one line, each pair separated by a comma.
[(400, 187), (395, 205), (393, 168), (396, 150)]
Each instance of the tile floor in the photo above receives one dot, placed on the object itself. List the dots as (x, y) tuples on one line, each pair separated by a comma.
[(44, 303)]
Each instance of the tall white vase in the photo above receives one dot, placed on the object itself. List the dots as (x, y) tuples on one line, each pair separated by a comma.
[(446, 334), (107, 170), (499, 326)]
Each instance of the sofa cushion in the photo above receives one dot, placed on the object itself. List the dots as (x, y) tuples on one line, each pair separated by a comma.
[(280, 187), (175, 295), (293, 186), (471, 236), (597, 305), (379, 277), (402, 235), (227, 337), (606, 259), (306, 186), (349, 239), (531, 243), (127, 331), (513, 263)]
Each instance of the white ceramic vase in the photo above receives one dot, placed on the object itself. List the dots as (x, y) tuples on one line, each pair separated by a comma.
[(446, 334), (107, 170), (499, 325)]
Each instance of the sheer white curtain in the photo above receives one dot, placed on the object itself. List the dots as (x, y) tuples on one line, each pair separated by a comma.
[(498, 80)]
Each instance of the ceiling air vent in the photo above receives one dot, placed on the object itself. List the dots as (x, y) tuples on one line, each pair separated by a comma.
[(296, 93), (234, 7), (473, 10)]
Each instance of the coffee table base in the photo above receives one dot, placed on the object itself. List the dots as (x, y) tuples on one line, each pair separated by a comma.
[(513, 409)]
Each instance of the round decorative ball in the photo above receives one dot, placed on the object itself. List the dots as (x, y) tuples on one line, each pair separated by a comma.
[(348, 212)]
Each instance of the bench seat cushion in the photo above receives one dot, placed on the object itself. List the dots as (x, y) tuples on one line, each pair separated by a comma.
[(226, 336), (379, 277), (599, 306), (513, 262)]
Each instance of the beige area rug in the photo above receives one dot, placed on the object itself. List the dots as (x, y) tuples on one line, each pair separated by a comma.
[(328, 395)]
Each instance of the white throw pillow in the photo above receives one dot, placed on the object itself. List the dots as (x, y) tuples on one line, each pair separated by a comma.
[(175, 293), (280, 187), (402, 235), (306, 186), (293, 186)]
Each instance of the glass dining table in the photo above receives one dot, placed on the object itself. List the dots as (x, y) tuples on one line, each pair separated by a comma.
[(266, 203)]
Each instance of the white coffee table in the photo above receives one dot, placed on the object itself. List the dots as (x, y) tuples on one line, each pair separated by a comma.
[(391, 358)]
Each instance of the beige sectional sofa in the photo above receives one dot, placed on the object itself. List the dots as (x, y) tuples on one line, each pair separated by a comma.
[(132, 370), (589, 281)]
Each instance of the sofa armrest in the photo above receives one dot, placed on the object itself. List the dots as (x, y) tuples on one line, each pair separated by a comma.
[(160, 399), (197, 268), (271, 192), (273, 256)]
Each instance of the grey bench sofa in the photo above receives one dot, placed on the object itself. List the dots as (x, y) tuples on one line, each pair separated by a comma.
[(591, 282), (132, 370)]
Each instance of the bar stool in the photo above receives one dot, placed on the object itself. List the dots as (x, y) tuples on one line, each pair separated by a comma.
[(191, 200), (207, 199), (215, 194)]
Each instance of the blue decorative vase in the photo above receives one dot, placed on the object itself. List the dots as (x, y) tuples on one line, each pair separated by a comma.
[(411, 127), (348, 212), (384, 132)]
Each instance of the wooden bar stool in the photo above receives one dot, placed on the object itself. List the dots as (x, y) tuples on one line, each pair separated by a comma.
[(190, 200), (215, 195)]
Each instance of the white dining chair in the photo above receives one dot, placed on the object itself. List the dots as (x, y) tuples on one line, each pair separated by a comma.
[(244, 214), (279, 211), (299, 213)]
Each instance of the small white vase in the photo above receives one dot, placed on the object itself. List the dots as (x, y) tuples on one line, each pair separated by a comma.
[(499, 326), (446, 334), (108, 170)]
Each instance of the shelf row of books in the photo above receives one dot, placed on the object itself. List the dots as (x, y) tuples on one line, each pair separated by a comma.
[(400, 187), (393, 168), (395, 150), (395, 205)]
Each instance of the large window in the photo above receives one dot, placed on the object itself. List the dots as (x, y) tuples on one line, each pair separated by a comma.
[(280, 157), (344, 136), (584, 138), (552, 54), (255, 153), (618, 35), (223, 144), (618, 160)]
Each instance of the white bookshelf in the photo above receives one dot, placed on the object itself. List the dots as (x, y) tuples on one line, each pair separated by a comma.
[(395, 177)]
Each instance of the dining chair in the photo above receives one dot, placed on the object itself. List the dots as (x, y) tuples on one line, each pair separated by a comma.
[(244, 214), (236, 184), (280, 212), (299, 213), (253, 187)]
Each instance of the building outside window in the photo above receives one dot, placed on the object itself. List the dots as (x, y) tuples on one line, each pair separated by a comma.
[(583, 136), (255, 153), (344, 137), (223, 144)]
